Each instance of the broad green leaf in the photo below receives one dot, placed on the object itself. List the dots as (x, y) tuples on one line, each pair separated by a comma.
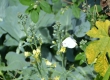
[(81, 25), (82, 73), (46, 53), (15, 61), (45, 6), (13, 2), (10, 41), (27, 71), (79, 56), (82, 29), (57, 6), (26, 2), (10, 22), (3, 6), (34, 16), (64, 19), (76, 11), (45, 19), (44, 33), (99, 46)]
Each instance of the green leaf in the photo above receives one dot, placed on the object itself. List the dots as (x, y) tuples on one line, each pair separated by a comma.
[(76, 11), (45, 6), (2, 32), (64, 19), (26, 2), (79, 56), (45, 20), (10, 22), (73, 0), (98, 77), (55, 1), (82, 29), (57, 6), (9, 41), (99, 8), (82, 73), (46, 53), (44, 33), (79, 2), (34, 16), (15, 61), (3, 6), (29, 9), (13, 2)]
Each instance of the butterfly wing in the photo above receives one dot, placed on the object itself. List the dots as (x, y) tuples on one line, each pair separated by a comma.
[(69, 42)]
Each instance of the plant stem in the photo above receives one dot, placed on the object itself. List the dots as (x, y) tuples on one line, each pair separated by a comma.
[(38, 69)]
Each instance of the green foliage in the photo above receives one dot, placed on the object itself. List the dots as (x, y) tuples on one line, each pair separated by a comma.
[(26, 2), (9, 41), (34, 16), (31, 36), (64, 18), (81, 57), (45, 6), (45, 20), (15, 61), (76, 11)]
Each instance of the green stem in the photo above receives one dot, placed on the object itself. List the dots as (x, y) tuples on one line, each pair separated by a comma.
[(3, 77), (35, 42), (25, 30), (62, 59), (38, 69)]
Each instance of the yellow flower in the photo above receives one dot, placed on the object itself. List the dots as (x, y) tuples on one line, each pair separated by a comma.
[(53, 65), (53, 42), (34, 52), (27, 54), (57, 78), (48, 63), (63, 49), (37, 51), (37, 54), (35, 6), (42, 79)]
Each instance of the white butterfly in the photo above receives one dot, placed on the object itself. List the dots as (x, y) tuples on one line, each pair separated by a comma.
[(69, 42)]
